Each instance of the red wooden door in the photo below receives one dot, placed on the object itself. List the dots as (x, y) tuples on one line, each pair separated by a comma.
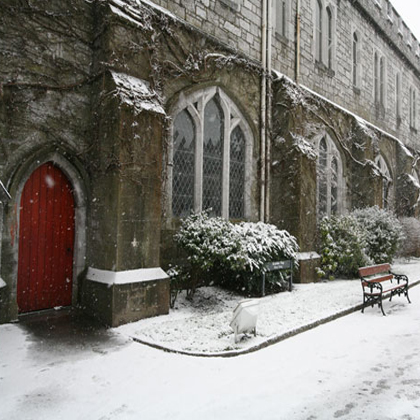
[(46, 240)]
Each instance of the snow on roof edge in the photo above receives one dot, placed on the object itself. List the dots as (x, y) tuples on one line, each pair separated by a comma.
[(160, 8), (358, 118), (137, 93)]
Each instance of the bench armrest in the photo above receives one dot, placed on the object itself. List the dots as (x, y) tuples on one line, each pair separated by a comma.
[(372, 284), (399, 277)]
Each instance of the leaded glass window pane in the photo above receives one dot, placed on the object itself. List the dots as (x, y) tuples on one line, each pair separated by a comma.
[(183, 165), (385, 193), (334, 186), (213, 157), (281, 17), (376, 77), (237, 174), (355, 64), (382, 81), (323, 177), (318, 31), (330, 36)]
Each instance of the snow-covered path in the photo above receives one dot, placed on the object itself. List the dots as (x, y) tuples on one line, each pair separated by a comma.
[(362, 366)]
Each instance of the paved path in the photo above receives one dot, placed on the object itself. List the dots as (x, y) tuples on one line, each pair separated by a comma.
[(362, 366)]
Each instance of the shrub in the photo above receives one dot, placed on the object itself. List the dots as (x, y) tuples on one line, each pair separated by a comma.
[(383, 233), (343, 245), (209, 244), (234, 254), (366, 236), (410, 246)]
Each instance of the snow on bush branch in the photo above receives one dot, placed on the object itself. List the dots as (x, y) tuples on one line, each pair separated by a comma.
[(238, 247), (366, 236)]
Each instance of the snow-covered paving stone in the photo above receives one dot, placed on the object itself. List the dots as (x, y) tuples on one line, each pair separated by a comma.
[(202, 326), (362, 366)]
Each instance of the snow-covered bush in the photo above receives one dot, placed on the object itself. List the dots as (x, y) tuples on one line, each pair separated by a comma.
[(343, 244), (366, 236), (209, 243), (234, 254), (383, 233), (262, 242), (410, 246)]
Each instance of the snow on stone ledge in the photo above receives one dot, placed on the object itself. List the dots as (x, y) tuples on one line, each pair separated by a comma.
[(362, 122), (413, 181), (2, 283), (310, 255), (136, 93), (125, 277)]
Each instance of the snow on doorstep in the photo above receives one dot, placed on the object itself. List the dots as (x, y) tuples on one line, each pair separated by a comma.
[(202, 325), (136, 93), (125, 277)]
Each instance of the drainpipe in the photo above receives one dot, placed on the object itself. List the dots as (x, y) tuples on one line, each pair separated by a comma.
[(268, 111), (263, 107), (297, 75)]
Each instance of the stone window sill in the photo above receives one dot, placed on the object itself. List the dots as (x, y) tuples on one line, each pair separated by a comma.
[(282, 38), (322, 68), (379, 110), (230, 5)]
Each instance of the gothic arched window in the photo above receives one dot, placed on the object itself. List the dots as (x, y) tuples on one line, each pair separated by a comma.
[(330, 178), (183, 161), (210, 156), (386, 181), (213, 157)]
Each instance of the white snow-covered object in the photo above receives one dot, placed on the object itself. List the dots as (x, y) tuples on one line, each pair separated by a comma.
[(125, 277), (2, 283), (245, 317), (137, 93)]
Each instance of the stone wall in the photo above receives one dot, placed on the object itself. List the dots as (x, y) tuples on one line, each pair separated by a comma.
[(44, 112), (238, 25)]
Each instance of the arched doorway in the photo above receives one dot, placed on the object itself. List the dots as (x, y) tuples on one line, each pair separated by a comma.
[(46, 240)]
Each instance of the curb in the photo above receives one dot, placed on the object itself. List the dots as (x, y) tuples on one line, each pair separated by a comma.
[(268, 342)]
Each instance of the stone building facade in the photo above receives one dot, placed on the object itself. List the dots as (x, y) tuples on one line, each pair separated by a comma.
[(122, 116)]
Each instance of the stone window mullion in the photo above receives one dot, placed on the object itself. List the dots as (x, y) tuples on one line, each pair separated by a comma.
[(328, 170), (198, 201), (226, 164)]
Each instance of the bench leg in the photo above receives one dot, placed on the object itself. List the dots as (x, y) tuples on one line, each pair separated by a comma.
[(406, 295), (380, 305)]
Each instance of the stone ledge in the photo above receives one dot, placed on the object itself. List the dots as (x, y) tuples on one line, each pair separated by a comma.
[(116, 298)]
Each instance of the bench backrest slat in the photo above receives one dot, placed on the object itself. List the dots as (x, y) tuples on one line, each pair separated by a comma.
[(378, 279), (374, 269)]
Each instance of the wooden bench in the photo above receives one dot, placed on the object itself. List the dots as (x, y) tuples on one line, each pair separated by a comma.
[(377, 280)]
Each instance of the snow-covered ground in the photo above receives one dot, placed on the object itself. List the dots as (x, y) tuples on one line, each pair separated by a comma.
[(202, 326), (362, 366)]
